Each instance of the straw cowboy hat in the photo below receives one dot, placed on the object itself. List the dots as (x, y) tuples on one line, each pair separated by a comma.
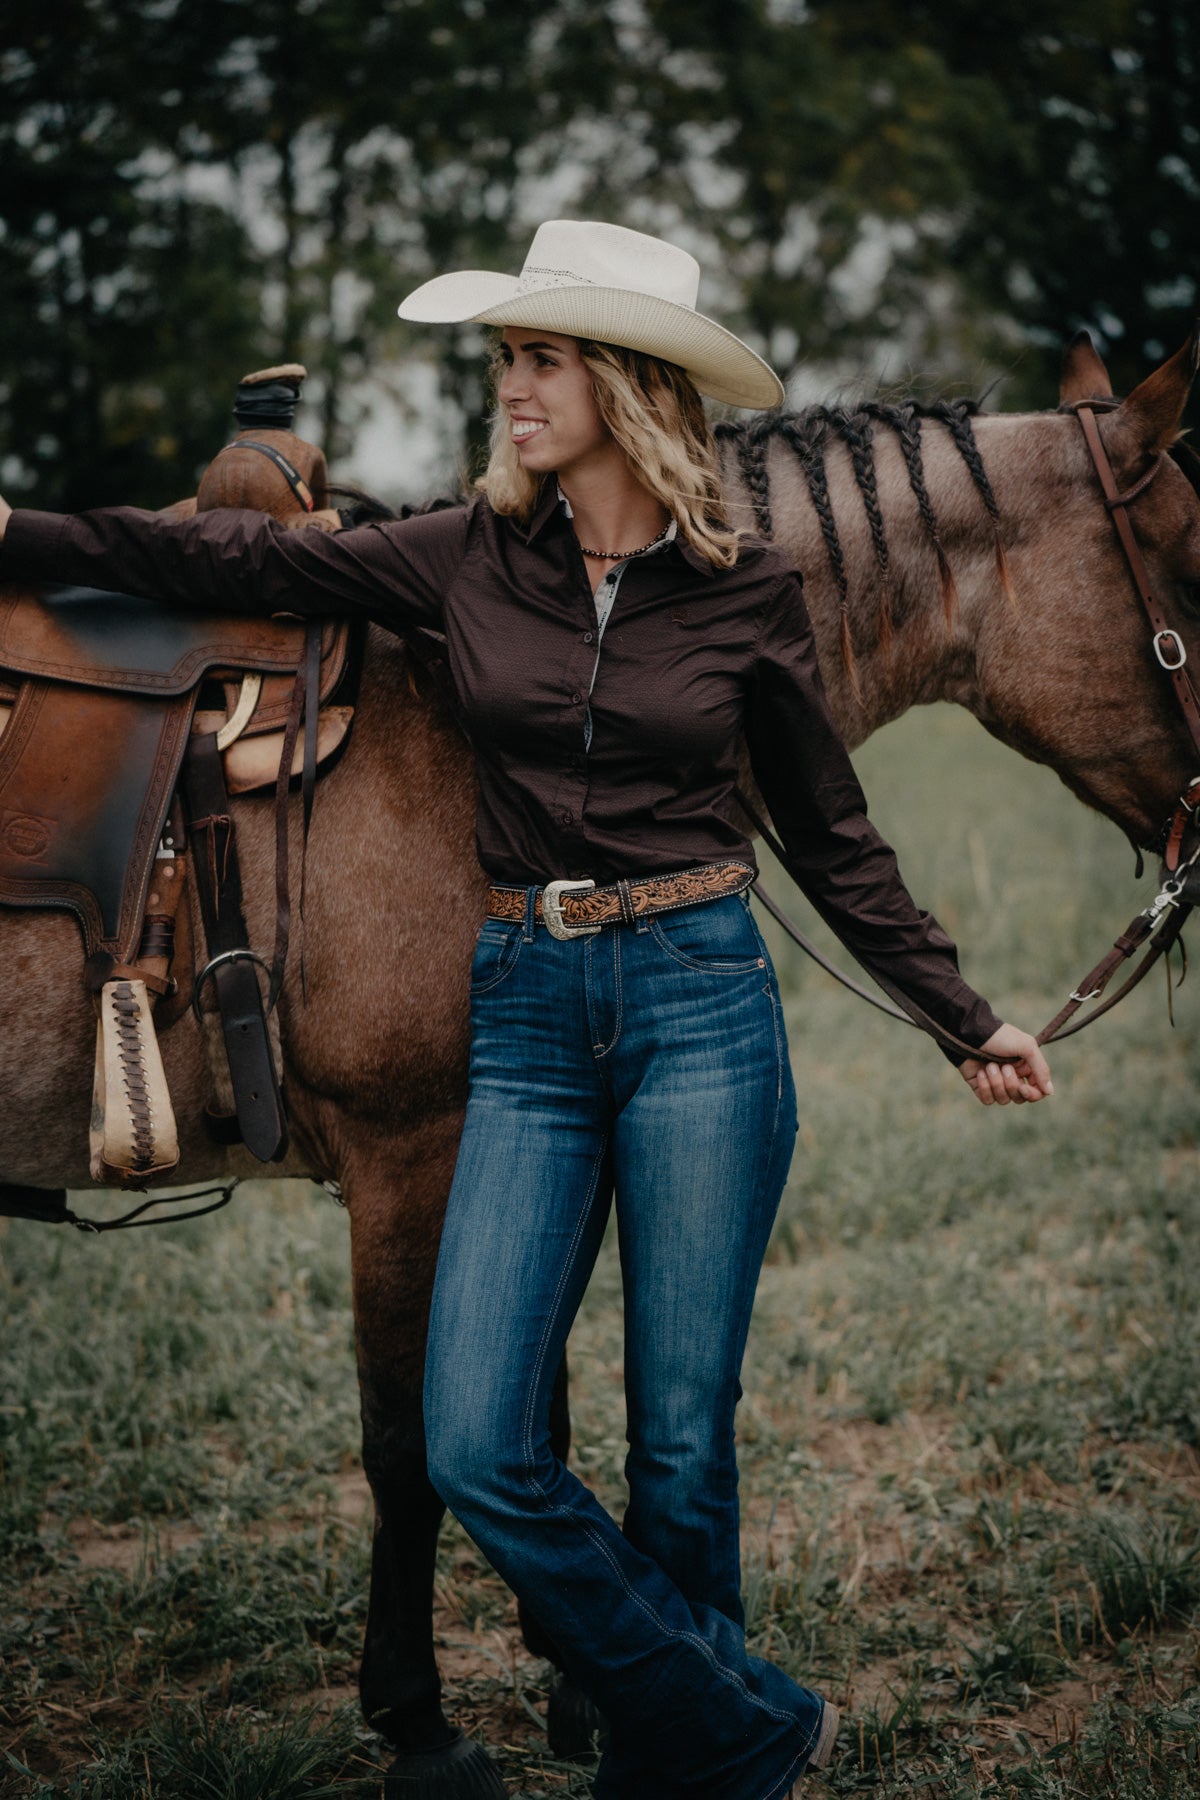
[(616, 286)]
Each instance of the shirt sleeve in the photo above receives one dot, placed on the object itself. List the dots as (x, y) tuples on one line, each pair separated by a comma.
[(238, 560), (835, 854)]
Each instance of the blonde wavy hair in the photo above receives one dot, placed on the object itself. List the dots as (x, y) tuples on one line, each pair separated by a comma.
[(656, 416)]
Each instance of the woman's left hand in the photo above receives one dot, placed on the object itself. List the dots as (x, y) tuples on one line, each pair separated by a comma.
[(327, 518), (995, 1083)]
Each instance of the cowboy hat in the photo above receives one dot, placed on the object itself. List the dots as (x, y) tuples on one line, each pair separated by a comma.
[(614, 285)]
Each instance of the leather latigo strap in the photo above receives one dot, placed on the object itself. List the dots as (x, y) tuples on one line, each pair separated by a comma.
[(218, 882), (623, 902)]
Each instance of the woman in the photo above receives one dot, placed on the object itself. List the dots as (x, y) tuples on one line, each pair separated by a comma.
[(612, 638)]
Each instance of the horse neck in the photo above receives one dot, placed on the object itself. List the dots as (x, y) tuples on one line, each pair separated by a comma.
[(898, 541)]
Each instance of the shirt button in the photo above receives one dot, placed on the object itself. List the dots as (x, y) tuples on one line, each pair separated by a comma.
[(564, 818), (576, 697), (588, 636)]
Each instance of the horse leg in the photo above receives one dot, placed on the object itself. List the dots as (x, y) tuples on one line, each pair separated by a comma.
[(393, 1253)]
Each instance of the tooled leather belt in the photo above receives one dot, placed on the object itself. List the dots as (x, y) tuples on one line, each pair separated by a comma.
[(580, 909)]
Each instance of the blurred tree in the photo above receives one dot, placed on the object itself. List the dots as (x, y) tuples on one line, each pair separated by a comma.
[(126, 299), (193, 191), (1073, 127), (397, 135)]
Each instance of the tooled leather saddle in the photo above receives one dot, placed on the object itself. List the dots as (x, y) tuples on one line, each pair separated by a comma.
[(124, 727), (98, 696)]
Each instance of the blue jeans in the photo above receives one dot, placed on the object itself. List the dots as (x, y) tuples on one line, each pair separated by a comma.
[(649, 1061)]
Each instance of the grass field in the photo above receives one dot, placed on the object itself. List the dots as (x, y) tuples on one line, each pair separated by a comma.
[(970, 1434)]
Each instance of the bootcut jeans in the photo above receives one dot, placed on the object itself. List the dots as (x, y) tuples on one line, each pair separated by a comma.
[(648, 1062)]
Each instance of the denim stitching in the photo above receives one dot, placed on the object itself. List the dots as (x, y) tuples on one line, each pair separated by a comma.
[(504, 969), (589, 986), (778, 1057), (787, 1781), (552, 1314), (685, 1637), (699, 968), (780, 1044), (619, 996)]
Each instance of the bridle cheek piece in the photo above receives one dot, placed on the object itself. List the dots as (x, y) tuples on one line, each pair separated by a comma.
[(1163, 920)]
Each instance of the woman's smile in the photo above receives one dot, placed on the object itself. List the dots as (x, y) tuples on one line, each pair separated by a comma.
[(546, 388)]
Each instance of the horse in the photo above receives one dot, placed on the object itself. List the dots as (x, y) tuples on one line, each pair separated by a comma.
[(948, 554)]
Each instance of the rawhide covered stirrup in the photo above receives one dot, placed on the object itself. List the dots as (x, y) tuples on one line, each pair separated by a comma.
[(133, 1133)]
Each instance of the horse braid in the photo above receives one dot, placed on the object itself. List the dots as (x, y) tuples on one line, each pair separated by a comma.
[(751, 442), (855, 430), (806, 433), (956, 416), (907, 424)]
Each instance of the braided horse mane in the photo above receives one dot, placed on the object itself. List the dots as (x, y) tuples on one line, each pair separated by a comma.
[(807, 434)]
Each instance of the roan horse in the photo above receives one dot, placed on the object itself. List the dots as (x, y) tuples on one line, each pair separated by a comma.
[(948, 555)]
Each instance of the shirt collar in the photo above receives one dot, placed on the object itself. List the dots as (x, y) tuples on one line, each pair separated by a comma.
[(544, 511)]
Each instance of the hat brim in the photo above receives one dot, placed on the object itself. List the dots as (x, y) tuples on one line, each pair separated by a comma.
[(719, 363)]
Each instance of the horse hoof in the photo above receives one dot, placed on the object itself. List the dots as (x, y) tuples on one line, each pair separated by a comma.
[(573, 1724), (460, 1770)]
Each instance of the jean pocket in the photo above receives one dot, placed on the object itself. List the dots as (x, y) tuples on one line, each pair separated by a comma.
[(496, 951), (717, 938)]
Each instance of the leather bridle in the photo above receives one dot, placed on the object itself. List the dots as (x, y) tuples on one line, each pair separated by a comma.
[(1158, 926)]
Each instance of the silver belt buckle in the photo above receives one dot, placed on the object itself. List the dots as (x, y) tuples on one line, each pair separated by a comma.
[(552, 917)]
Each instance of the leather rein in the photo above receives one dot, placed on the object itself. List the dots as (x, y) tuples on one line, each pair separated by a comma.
[(1158, 926)]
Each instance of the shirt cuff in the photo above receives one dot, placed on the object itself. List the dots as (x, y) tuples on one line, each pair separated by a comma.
[(978, 1025), (32, 545)]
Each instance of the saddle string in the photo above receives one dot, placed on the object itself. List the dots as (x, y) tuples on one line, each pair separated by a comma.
[(133, 1219), (48, 1206), (304, 707)]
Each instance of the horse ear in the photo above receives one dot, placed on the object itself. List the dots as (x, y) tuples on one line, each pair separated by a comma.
[(1084, 376), (1148, 421)]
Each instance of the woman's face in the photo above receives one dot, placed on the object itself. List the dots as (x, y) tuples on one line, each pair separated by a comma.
[(546, 391)]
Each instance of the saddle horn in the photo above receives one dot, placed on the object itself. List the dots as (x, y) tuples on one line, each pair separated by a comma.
[(267, 400)]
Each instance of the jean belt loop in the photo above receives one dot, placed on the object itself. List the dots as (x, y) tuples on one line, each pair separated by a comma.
[(530, 928)]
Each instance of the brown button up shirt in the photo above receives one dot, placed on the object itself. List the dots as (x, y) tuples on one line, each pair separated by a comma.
[(693, 658)]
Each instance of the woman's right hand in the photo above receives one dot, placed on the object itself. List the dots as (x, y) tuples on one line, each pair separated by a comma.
[(5, 514)]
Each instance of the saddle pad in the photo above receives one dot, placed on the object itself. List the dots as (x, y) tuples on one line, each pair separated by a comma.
[(99, 639), (85, 782)]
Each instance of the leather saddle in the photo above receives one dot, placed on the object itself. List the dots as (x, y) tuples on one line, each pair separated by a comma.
[(99, 694), (124, 727)]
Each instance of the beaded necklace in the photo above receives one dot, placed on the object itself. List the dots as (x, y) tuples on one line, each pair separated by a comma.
[(623, 555)]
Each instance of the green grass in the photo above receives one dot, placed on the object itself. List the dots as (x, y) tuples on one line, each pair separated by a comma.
[(185, 1753), (970, 1434)]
